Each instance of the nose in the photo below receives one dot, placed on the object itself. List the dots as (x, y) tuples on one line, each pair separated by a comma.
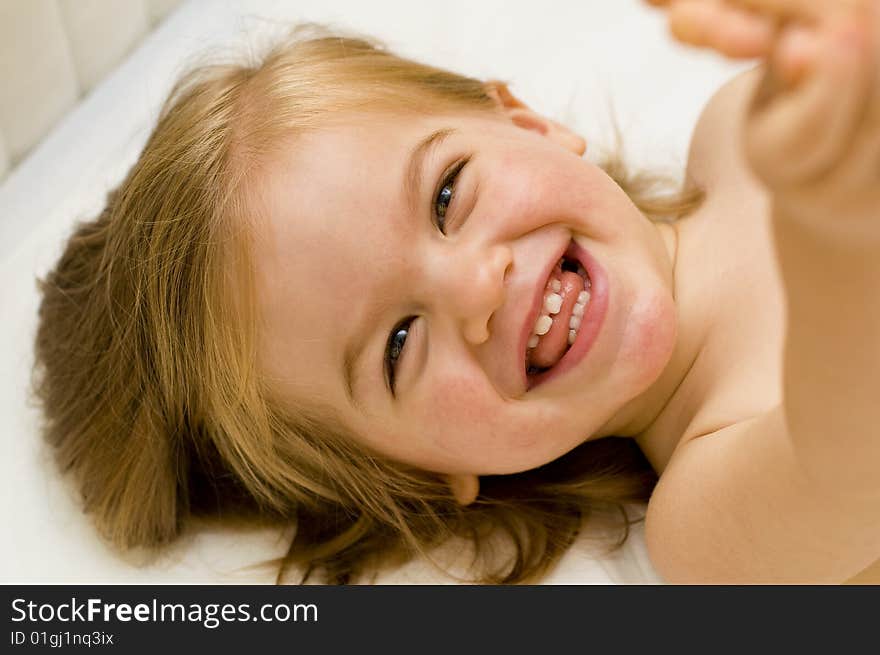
[(473, 288)]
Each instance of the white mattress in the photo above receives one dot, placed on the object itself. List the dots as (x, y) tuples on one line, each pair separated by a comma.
[(567, 60)]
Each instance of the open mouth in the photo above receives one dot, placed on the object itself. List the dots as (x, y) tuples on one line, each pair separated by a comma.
[(566, 298)]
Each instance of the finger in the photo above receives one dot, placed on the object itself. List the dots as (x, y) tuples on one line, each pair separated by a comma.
[(715, 25), (800, 133), (797, 52), (743, 34), (805, 9), (691, 20)]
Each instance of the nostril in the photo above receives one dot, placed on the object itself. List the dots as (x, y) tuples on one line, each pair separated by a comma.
[(504, 259), (507, 271)]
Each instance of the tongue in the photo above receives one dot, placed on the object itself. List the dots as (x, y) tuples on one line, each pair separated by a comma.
[(553, 345)]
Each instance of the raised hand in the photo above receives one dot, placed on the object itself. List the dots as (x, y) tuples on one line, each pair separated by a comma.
[(813, 132)]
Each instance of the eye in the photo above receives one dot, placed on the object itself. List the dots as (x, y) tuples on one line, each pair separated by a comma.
[(446, 191), (394, 349)]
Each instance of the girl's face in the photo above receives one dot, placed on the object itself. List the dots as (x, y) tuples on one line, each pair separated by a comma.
[(401, 270)]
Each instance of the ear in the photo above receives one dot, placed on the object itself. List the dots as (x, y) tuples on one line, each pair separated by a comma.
[(522, 116), (464, 487)]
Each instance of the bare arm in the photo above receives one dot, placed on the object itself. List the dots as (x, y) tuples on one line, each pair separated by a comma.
[(831, 269), (734, 507), (815, 142), (812, 135), (832, 352), (794, 495)]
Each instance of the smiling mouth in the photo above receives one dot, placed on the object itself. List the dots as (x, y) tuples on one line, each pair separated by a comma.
[(566, 298)]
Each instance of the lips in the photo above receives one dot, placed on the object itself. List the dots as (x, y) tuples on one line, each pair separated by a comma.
[(590, 325)]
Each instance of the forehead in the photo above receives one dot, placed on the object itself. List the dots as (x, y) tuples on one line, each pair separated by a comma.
[(324, 191), (328, 202), (319, 172), (320, 185)]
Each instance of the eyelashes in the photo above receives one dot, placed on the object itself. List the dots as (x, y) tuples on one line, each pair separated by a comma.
[(443, 197), (394, 349), (445, 194)]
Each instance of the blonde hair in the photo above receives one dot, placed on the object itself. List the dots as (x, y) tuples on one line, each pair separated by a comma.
[(146, 348)]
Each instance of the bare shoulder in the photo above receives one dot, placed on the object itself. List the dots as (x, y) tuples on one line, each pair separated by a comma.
[(715, 157), (735, 507)]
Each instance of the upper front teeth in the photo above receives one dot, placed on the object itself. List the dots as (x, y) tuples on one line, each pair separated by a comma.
[(542, 325), (552, 304)]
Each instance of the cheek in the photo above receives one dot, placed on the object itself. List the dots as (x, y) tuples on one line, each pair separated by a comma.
[(475, 427), (530, 186), (651, 337), (457, 403)]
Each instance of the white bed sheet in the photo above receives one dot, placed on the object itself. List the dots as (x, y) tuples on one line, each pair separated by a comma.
[(567, 59)]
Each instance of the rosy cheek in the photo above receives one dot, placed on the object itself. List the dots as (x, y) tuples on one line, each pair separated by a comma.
[(469, 420), (515, 178), (651, 338), (457, 402)]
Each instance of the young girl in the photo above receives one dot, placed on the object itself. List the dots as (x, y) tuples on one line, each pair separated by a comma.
[(393, 304)]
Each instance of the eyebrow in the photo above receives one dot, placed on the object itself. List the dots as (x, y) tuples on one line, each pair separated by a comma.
[(414, 174), (351, 358)]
